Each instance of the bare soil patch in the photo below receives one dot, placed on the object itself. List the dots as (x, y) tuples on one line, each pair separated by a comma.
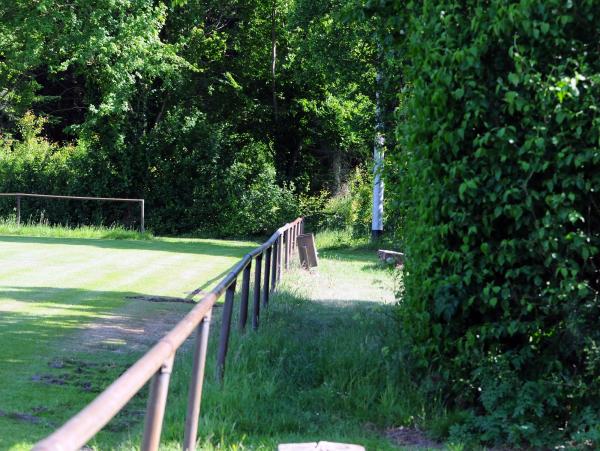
[(26, 417), (85, 375), (135, 327), (412, 438)]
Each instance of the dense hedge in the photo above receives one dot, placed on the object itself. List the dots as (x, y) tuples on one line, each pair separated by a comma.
[(499, 170), (220, 184)]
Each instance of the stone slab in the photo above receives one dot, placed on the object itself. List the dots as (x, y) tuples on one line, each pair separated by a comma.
[(321, 446)]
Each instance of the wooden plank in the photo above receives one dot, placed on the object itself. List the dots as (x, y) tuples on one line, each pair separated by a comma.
[(307, 251), (391, 256)]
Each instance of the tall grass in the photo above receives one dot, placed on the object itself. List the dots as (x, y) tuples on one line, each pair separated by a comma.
[(319, 367), (346, 239), (43, 229)]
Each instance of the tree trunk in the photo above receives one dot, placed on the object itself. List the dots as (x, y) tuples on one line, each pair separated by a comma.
[(336, 169)]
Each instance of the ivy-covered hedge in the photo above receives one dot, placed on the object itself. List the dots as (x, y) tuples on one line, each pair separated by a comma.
[(499, 172)]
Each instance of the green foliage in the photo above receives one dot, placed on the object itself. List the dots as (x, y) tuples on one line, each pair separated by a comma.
[(193, 105), (114, 45), (235, 193), (40, 165), (330, 63), (262, 207), (351, 209), (498, 175)]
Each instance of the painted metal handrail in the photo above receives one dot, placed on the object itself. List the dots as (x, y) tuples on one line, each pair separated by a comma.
[(18, 196), (156, 365)]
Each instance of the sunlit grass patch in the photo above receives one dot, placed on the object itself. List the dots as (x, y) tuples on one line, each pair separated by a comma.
[(69, 324), (115, 232)]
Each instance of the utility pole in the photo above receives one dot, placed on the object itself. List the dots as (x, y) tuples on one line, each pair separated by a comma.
[(378, 156), (274, 57)]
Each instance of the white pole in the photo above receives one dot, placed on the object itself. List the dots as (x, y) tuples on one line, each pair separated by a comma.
[(378, 157)]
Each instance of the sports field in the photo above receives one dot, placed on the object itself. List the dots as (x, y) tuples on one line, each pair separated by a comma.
[(74, 313)]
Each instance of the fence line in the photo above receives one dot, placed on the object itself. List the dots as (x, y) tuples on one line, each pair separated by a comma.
[(18, 196), (156, 365)]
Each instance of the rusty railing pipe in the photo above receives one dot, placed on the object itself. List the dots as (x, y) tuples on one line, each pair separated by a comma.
[(244, 296), (274, 263), (157, 402), (196, 383), (266, 283), (78, 430), (225, 331), (256, 300)]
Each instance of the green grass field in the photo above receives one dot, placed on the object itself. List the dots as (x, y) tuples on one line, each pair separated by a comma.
[(319, 368), (67, 326)]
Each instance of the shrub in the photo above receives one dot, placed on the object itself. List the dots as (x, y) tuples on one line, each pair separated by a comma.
[(33, 164), (195, 176), (312, 208), (262, 207), (351, 209), (499, 171)]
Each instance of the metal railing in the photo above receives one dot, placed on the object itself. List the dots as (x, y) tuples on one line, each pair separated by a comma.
[(157, 363), (18, 196)]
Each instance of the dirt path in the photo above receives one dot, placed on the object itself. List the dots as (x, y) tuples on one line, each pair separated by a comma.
[(133, 328)]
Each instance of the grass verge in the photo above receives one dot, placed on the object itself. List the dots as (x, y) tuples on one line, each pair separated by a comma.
[(319, 368), (10, 227)]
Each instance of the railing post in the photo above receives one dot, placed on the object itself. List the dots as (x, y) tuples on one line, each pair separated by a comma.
[(245, 293), (287, 248), (266, 286), (142, 215), (290, 247), (157, 401), (195, 395), (225, 329), (294, 237), (274, 263), (256, 309), (280, 257), (18, 210)]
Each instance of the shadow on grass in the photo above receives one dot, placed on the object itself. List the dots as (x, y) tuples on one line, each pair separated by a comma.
[(65, 297), (315, 370), (217, 248), (56, 312), (52, 363), (36, 396)]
